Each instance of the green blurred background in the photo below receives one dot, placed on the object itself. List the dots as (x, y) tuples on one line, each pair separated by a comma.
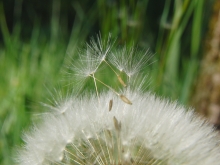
[(36, 37)]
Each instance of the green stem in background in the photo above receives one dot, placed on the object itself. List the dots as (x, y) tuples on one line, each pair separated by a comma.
[(171, 51), (194, 51), (55, 21), (3, 25)]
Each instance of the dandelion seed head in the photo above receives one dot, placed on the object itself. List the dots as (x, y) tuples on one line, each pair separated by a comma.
[(138, 128), (152, 129)]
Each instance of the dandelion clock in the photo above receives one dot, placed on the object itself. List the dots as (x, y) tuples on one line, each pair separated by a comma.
[(117, 125)]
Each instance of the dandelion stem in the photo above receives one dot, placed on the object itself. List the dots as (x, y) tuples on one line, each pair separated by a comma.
[(118, 76), (123, 98), (111, 67), (105, 85), (96, 87), (108, 149), (75, 156)]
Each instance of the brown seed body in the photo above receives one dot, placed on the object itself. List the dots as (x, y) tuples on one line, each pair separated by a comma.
[(117, 124), (121, 81), (125, 99), (110, 105)]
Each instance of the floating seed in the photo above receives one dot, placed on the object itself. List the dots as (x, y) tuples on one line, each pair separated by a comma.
[(125, 99), (110, 105), (121, 81)]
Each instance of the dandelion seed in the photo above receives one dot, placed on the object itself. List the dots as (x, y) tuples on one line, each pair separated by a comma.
[(118, 76), (110, 105), (86, 66), (121, 81), (117, 124), (125, 99), (130, 60), (101, 48)]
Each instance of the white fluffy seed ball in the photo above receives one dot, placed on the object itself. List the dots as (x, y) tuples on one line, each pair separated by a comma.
[(150, 131)]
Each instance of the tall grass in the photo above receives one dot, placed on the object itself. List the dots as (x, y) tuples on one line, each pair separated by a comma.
[(27, 66)]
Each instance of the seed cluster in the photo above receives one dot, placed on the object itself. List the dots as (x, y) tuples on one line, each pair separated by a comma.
[(117, 127), (124, 62)]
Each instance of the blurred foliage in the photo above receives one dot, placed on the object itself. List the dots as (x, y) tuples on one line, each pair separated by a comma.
[(206, 95), (36, 36)]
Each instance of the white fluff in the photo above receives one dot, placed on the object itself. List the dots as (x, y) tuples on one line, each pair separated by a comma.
[(169, 131)]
